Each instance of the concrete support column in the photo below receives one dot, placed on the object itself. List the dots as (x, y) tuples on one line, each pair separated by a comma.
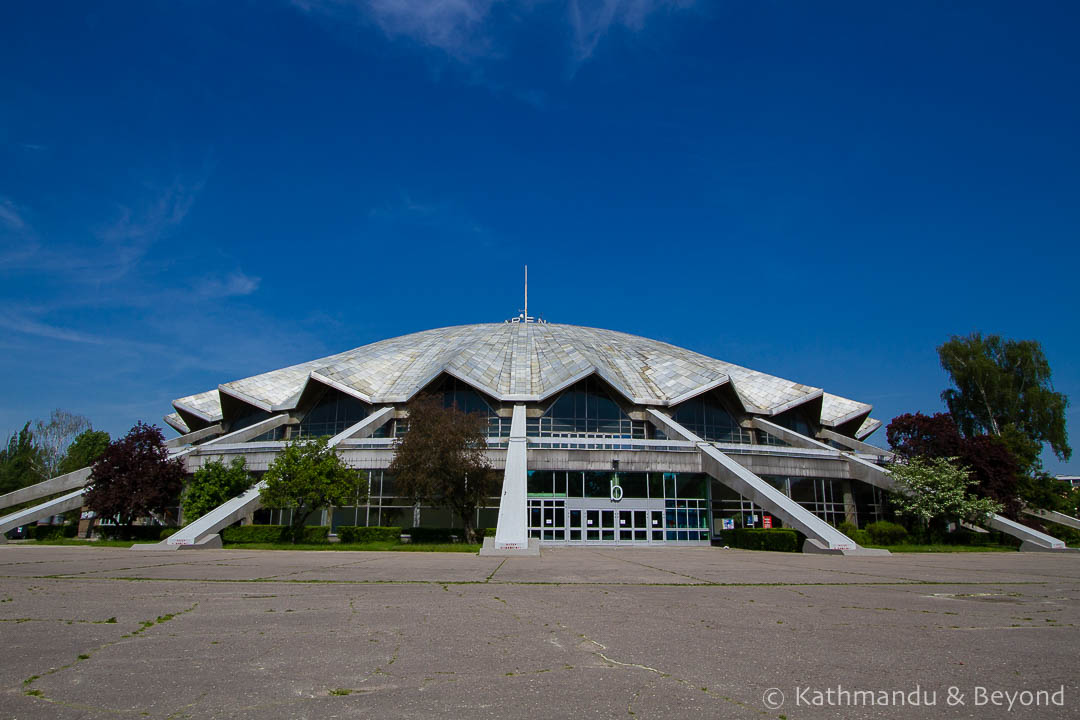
[(850, 511), (511, 532)]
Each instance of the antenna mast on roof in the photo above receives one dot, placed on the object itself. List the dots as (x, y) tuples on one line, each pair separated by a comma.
[(524, 317)]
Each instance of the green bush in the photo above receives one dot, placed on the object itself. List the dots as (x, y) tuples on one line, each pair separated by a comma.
[(434, 535), (55, 532), (1071, 536), (963, 536), (884, 532), (775, 539), (138, 532), (360, 534), (312, 534), (861, 537), (167, 532), (848, 528)]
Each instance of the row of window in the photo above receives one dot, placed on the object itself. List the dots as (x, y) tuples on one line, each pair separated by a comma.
[(633, 485), (552, 517), (584, 410)]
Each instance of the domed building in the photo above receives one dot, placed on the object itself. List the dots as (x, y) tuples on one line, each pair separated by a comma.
[(600, 436)]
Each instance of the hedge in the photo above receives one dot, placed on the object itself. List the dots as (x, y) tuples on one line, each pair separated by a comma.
[(55, 532), (137, 532), (884, 532), (775, 539), (444, 535), (362, 534), (312, 534)]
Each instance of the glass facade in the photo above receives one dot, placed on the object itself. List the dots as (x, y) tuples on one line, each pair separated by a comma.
[(384, 507), (467, 399), (709, 420), (796, 422), (332, 413), (579, 507), (585, 410), (834, 501)]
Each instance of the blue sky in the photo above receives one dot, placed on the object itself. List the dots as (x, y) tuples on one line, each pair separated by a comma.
[(195, 192)]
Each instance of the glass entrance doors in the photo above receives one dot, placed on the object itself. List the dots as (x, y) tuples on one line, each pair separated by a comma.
[(551, 521)]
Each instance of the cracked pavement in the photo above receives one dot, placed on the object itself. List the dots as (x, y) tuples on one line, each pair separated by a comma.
[(578, 632)]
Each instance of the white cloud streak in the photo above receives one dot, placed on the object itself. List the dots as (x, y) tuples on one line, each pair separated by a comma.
[(591, 20), (235, 284), (10, 216), (464, 29), (28, 326)]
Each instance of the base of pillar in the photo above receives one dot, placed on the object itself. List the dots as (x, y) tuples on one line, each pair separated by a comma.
[(210, 542), (1028, 546), (489, 549), (816, 547)]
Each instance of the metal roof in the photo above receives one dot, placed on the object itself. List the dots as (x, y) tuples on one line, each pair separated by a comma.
[(522, 362)]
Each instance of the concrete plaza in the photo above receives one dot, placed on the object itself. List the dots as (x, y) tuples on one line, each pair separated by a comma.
[(577, 632)]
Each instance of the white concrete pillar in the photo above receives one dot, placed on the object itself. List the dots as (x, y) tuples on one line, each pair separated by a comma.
[(511, 532)]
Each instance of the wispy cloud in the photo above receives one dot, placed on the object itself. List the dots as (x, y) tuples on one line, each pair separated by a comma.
[(109, 252), (135, 230), (28, 326), (467, 29), (591, 20), (454, 26), (10, 216), (234, 284)]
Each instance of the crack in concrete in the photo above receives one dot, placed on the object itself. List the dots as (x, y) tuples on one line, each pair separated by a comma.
[(85, 656)]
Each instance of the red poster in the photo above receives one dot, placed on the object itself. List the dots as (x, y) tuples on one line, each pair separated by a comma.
[(766, 521)]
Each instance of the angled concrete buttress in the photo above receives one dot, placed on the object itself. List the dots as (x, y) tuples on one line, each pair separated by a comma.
[(203, 533), (860, 469), (60, 483), (71, 501), (194, 437), (1054, 517), (237, 436), (1030, 540), (511, 537), (821, 537)]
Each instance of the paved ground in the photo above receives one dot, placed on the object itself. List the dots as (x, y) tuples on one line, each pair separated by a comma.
[(694, 632)]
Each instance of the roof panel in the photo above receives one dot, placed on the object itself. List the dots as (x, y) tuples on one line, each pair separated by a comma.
[(520, 361)]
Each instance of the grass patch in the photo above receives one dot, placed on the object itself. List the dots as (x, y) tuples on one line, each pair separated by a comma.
[(393, 546), (942, 548), (341, 691), (95, 543)]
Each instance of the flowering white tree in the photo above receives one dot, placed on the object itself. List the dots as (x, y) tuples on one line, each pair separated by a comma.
[(937, 491)]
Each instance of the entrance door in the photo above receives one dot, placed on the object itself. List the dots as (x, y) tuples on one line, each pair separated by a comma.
[(601, 526), (633, 526), (547, 520)]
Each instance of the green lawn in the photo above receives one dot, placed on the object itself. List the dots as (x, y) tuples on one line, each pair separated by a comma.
[(942, 548), (388, 545), (91, 543)]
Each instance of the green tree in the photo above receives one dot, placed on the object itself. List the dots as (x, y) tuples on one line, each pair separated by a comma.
[(936, 491), (212, 484), (1002, 387), (308, 475), (21, 461), (134, 477), (442, 460), (84, 451)]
